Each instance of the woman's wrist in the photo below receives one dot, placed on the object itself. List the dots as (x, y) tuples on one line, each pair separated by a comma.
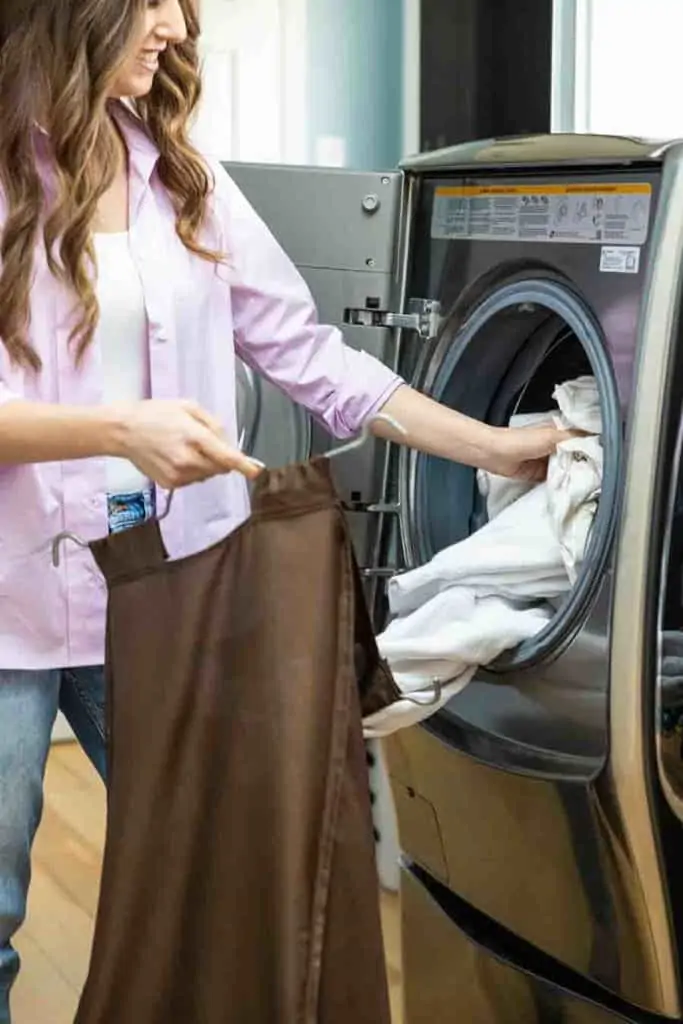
[(482, 444), (438, 430), (49, 432), (112, 427)]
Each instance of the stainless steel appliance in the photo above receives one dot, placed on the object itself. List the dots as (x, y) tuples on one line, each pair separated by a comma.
[(540, 812), (339, 228)]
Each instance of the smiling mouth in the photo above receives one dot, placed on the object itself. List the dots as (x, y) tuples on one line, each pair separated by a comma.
[(149, 61)]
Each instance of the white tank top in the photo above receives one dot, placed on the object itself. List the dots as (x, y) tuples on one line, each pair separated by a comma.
[(122, 336)]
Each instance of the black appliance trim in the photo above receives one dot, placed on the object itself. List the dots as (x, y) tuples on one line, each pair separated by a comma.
[(503, 945)]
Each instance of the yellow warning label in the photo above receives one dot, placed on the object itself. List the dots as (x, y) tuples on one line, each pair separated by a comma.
[(544, 190), (601, 213)]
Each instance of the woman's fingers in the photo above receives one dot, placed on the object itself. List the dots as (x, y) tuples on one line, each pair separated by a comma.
[(211, 422), (225, 459)]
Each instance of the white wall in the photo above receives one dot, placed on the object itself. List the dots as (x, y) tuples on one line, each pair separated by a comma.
[(636, 76), (254, 67), (61, 732)]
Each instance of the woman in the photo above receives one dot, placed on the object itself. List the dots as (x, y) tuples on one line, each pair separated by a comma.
[(128, 268)]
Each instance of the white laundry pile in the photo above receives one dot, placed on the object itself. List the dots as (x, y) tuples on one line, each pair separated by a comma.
[(489, 592)]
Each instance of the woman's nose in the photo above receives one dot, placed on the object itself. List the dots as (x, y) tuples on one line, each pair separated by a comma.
[(171, 26)]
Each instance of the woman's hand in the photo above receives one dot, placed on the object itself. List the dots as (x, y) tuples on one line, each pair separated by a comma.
[(523, 452), (514, 452), (175, 443)]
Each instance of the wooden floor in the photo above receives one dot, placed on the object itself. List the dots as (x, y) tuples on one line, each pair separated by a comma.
[(55, 941)]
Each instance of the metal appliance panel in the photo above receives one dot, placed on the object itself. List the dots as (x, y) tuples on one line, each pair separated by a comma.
[(328, 219), (651, 838), (567, 696), (536, 855), (340, 228)]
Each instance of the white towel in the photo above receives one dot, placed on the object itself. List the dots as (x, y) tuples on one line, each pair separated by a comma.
[(579, 404), (515, 556), (480, 597), (446, 640), (573, 489)]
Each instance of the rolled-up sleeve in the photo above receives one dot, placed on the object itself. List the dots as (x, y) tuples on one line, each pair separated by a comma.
[(277, 330)]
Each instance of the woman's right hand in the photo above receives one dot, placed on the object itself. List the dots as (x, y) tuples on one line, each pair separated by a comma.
[(176, 442)]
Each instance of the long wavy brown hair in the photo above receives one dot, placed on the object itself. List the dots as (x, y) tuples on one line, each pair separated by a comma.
[(58, 60)]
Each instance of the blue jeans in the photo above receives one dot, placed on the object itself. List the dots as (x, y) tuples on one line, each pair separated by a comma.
[(28, 707), (29, 702)]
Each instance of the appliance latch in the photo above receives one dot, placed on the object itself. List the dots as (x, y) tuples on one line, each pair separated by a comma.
[(423, 317), (378, 507)]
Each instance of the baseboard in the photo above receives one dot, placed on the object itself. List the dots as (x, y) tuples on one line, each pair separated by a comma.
[(62, 732)]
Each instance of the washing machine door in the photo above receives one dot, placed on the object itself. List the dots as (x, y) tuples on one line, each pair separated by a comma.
[(270, 426)]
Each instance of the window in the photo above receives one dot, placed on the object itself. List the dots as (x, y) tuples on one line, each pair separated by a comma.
[(627, 67)]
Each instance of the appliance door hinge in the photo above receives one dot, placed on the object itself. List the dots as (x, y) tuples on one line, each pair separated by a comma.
[(423, 317)]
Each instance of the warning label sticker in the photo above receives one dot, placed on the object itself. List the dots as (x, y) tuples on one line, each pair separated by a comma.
[(601, 213), (620, 259)]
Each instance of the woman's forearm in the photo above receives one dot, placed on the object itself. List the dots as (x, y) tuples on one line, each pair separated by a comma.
[(520, 452), (435, 429), (46, 432), (173, 442)]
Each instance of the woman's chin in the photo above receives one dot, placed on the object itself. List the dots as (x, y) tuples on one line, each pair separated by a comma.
[(134, 86)]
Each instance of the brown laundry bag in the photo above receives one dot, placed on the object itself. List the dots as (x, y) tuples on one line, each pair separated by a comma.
[(239, 881)]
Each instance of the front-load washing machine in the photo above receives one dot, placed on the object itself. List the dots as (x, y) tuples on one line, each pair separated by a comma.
[(530, 815), (539, 812)]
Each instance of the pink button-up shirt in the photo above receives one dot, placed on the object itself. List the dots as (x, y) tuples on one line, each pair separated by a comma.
[(199, 316)]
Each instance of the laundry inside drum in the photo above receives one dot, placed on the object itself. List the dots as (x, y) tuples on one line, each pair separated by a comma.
[(552, 358), (506, 364), (511, 368)]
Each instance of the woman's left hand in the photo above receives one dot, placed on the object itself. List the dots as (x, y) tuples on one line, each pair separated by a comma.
[(523, 452)]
